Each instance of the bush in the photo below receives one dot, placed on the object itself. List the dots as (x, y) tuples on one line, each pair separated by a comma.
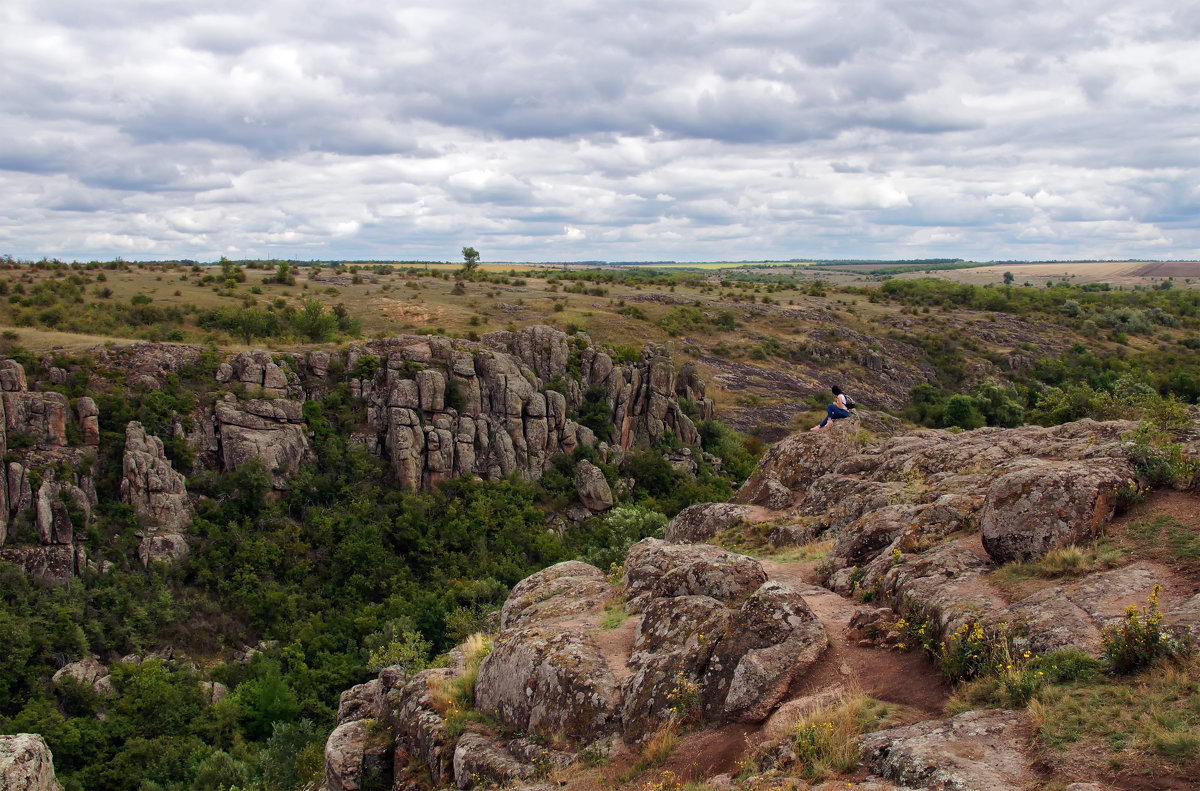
[(1140, 638)]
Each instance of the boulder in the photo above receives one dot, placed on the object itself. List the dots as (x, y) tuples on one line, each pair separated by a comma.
[(162, 548), (480, 761), (730, 578), (796, 461), (86, 672), (771, 641), (671, 648), (698, 523), (567, 588), (26, 763), (592, 487), (530, 673), (651, 559), (1040, 505), (344, 753), (361, 702), (975, 751)]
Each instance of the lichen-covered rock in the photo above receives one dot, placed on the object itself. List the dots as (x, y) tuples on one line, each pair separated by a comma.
[(975, 751), (26, 764), (419, 728), (531, 671), (770, 641), (672, 644), (344, 753), (698, 523), (480, 761), (52, 562), (1041, 505), (651, 559), (592, 487), (162, 548), (150, 484), (728, 577), (798, 460), (570, 587), (945, 586), (360, 702)]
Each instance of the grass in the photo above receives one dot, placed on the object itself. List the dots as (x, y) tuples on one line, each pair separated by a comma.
[(1070, 561), (1148, 724), (613, 614), (754, 540), (1166, 538), (825, 738)]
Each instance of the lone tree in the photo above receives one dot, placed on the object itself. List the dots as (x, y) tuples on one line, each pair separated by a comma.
[(470, 260), (1008, 278)]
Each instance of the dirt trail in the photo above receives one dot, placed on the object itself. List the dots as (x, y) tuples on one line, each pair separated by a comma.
[(904, 678)]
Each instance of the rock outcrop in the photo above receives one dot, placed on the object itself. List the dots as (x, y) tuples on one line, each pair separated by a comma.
[(158, 495), (26, 764), (439, 408), (975, 751)]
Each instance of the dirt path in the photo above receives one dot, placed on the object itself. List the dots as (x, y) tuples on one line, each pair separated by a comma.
[(897, 677)]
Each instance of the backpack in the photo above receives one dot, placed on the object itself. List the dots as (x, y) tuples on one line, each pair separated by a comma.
[(849, 401)]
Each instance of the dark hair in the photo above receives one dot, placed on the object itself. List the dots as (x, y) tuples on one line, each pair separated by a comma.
[(837, 390)]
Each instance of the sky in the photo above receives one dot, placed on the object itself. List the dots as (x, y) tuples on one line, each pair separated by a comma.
[(683, 130)]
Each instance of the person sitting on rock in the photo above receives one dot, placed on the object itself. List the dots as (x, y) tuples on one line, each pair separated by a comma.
[(835, 411)]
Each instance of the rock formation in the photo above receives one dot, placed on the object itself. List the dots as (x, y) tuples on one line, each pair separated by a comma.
[(158, 496), (26, 764), (439, 408)]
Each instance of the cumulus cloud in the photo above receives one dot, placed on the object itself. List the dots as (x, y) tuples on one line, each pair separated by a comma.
[(685, 129)]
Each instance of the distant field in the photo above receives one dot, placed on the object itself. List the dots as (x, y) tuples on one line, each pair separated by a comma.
[(1118, 273)]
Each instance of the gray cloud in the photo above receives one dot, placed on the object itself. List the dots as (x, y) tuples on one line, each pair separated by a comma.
[(685, 129)]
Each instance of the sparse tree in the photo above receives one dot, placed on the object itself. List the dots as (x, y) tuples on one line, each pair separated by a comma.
[(470, 261), (1009, 278)]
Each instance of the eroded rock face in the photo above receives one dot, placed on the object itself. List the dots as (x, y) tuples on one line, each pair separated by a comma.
[(148, 482), (975, 751), (1042, 505), (531, 671), (26, 764), (268, 430)]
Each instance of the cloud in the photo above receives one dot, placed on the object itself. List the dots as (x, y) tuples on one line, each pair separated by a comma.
[(685, 129)]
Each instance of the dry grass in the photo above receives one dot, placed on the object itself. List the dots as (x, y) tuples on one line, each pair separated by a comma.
[(658, 748), (1145, 725), (825, 738)]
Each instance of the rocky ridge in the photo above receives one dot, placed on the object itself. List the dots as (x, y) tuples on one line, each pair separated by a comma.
[(917, 522)]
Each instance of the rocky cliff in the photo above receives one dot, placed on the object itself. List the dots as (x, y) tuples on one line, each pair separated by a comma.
[(917, 524), (433, 408)]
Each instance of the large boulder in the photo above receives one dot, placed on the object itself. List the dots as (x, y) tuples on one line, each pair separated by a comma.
[(1040, 505), (722, 573), (592, 486), (698, 523), (773, 639), (26, 764), (975, 751), (549, 681), (671, 648), (567, 588), (480, 761), (796, 461)]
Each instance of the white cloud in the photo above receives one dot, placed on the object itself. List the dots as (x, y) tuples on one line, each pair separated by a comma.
[(685, 129)]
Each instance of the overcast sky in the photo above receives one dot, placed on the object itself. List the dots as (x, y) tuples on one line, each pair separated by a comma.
[(616, 130)]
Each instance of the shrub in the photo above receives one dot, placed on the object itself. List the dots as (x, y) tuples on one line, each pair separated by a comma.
[(1140, 638)]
